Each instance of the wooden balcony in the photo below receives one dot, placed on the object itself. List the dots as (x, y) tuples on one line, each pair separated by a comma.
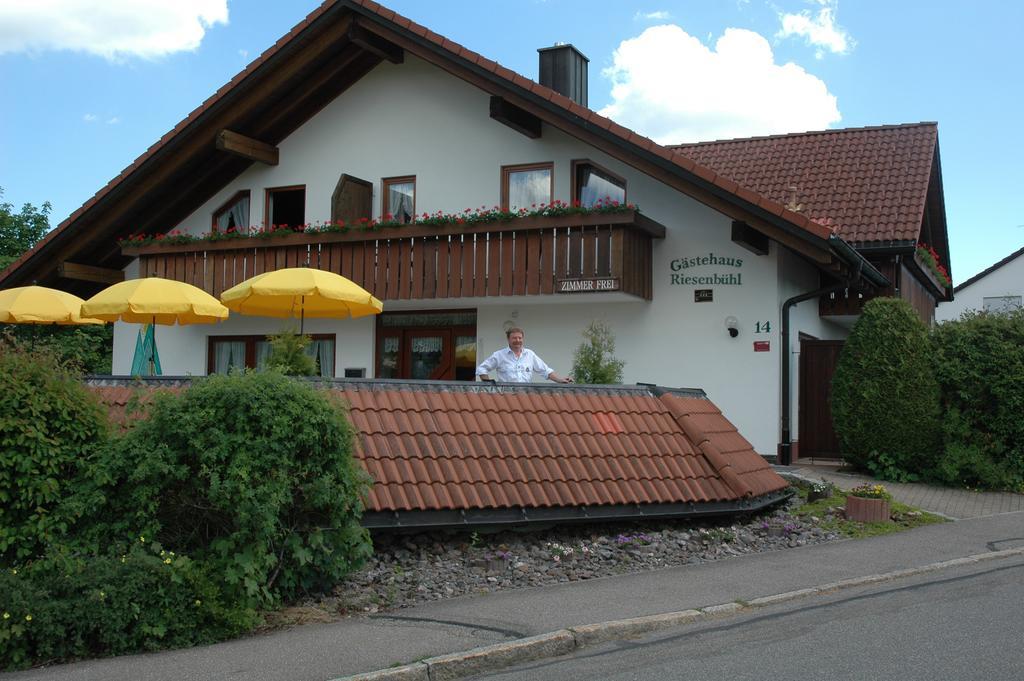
[(521, 257)]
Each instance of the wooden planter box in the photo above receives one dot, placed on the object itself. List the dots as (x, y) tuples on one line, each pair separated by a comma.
[(867, 510)]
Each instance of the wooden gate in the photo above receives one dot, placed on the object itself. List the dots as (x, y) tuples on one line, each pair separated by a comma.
[(817, 364)]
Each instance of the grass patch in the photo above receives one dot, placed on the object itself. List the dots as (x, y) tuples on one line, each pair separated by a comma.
[(831, 518)]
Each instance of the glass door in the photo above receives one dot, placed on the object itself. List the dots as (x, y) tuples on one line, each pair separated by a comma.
[(429, 355)]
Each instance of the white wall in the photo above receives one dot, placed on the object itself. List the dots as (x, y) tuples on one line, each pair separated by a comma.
[(414, 119), (1008, 280)]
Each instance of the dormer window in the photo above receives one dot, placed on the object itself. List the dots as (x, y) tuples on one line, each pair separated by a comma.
[(592, 183), (233, 214)]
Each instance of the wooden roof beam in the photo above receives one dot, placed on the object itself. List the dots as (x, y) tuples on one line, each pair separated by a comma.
[(247, 147), (102, 275), (375, 44)]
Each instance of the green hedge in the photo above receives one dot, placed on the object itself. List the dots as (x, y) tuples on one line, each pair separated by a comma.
[(885, 396), (252, 473), (50, 429), (980, 367)]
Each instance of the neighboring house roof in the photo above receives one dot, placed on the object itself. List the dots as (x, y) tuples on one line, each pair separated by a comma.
[(871, 185), (984, 273), (458, 453), (316, 61)]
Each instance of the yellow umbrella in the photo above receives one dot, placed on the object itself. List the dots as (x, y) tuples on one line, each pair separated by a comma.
[(41, 305), (155, 301), (301, 292)]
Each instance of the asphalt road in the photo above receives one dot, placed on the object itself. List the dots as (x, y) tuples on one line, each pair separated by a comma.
[(961, 624)]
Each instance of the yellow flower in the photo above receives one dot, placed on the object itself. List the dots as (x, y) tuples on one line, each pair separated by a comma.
[(28, 618), (167, 561), (7, 615), (142, 539), (124, 558), (102, 595), (198, 603), (14, 571)]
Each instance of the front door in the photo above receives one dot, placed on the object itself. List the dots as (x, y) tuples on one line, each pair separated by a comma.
[(818, 361)]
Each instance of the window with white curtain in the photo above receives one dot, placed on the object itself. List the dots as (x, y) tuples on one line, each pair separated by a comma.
[(527, 186), (234, 214), (399, 199)]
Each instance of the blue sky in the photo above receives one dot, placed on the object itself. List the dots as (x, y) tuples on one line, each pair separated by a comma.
[(98, 82)]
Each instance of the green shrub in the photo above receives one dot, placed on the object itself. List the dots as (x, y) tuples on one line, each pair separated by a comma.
[(67, 606), (980, 368), (50, 429), (594, 360), (885, 397), (252, 473), (288, 354)]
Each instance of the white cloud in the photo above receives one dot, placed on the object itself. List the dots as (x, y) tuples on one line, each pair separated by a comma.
[(243, 54), (89, 118), (660, 15), (112, 29), (669, 86), (113, 120), (820, 31)]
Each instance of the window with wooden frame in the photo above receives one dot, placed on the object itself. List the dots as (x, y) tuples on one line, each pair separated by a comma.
[(592, 183), (527, 186), (225, 353), (286, 206), (398, 199), (234, 214)]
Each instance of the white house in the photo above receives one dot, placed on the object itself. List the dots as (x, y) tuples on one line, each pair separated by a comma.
[(741, 273), (999, 288)]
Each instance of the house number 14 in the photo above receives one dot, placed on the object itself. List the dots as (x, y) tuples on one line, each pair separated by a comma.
[(762, 327)]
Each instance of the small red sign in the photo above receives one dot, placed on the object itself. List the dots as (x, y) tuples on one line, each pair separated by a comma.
[(762, 346)]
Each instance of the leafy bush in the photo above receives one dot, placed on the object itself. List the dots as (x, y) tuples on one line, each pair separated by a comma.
[(288, 354), (252, 473), (594, 360), (980, 368), (68, 605), (50, 428), (885, 396)]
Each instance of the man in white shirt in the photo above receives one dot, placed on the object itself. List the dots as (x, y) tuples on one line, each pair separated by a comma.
[(516, 364)]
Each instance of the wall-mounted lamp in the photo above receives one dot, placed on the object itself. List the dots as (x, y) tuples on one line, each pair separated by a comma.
[(733, 326)]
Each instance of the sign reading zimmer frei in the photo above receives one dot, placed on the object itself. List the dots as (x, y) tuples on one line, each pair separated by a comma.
[(694, 271)]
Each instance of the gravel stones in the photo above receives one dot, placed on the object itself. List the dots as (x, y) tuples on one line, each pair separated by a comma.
[(409, 569)]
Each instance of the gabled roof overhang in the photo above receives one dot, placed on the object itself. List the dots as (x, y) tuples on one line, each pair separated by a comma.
[(320, 58)]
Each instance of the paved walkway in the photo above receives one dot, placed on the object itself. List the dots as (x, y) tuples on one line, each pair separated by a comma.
[(952, 503)]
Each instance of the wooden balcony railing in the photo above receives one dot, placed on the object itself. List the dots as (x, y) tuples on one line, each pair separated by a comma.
[(521, 257)]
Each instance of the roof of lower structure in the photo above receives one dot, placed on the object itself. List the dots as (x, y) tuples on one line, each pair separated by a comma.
[(989, 270), (335, 46), (518, 452)]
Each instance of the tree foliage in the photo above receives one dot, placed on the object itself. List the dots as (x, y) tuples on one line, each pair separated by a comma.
[(885, 396), (594, 360), (20, 231)]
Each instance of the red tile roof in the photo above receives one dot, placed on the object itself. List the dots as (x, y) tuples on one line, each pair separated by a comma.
[(869, 184), (433, 446)]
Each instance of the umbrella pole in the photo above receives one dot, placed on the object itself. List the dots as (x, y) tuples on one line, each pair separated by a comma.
[(152, 349), (302, 314)]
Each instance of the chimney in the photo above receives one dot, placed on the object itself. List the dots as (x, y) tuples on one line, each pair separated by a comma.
[(563, 68)]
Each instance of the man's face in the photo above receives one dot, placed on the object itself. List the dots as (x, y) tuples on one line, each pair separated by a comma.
[(515, 341)]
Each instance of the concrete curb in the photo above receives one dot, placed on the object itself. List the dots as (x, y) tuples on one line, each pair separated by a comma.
[(565, 641)]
